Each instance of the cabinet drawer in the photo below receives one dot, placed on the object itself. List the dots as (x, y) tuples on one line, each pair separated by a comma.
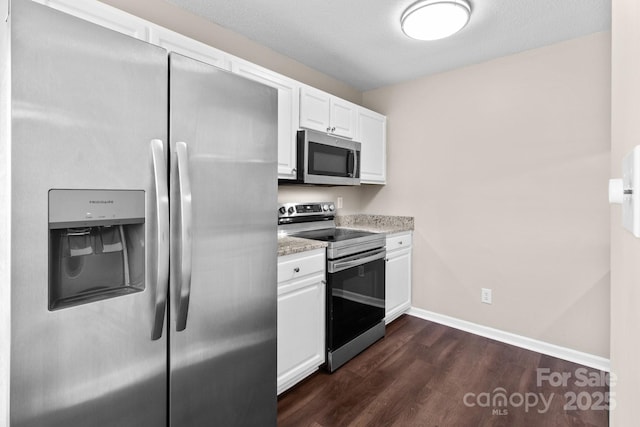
[(398, 241), (300, 265)]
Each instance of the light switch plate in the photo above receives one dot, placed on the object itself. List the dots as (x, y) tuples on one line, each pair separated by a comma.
[(631, 188)]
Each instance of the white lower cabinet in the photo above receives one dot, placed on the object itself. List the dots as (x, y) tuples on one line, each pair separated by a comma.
[(301, 316), (398, 275)]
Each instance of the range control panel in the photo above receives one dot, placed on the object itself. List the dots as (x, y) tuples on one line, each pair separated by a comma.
[(287, 212)]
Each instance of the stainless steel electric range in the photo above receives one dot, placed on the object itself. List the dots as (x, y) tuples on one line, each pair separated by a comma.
[(355, 278)]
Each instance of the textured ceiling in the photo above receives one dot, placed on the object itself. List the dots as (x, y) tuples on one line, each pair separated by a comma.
[(360, 41)]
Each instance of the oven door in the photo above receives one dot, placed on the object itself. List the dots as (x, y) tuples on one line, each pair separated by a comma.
[(355, 296), (328, 159)]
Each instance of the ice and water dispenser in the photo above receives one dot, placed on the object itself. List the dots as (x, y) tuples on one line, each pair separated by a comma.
[(96, 245)]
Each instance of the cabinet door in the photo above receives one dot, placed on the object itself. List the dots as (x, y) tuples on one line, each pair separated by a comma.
[(301, 330), (103, 15), (372, 134), (288, 111), (175, 42), (342, 118), (398, 284), (314, 109)]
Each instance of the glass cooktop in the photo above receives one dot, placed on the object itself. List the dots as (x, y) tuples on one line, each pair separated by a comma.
[(334, 234)]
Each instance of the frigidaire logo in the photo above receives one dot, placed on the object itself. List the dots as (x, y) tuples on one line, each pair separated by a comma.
[(101, 202)]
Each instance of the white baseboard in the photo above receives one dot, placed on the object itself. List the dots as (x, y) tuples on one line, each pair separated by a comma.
[(564, 353)]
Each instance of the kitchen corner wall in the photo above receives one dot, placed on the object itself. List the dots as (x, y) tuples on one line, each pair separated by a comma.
[(504, 166)]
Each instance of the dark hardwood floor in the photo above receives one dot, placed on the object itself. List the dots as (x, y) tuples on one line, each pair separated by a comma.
[(426, 374)]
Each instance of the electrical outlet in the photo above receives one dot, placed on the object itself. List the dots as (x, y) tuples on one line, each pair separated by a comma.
[(339, 202), (485, 296)]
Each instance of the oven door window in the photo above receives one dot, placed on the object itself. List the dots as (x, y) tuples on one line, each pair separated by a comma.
[(330, 160), (355, 302)]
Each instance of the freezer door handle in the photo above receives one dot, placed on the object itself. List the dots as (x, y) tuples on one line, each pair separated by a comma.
[(184, 273), (160, 262)]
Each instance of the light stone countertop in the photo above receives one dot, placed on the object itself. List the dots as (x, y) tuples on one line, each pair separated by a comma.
[(387, 224), (288, 245)]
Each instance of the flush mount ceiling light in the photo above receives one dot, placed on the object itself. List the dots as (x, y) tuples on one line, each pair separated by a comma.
[(435, 19)]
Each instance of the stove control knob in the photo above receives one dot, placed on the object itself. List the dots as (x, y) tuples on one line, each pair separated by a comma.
[(291, 210), (282, 210), (332, 207)]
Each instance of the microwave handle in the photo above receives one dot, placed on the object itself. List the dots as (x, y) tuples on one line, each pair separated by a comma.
[(356, 163), (351, 163)]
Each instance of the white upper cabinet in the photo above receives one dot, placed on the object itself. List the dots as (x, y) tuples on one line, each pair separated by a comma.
[(103, 15), (176, 42), (372, 134), (314, 109), (326, 113), (288, 111), (343, 117)]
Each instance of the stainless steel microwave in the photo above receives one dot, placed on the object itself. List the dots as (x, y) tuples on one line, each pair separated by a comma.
[(327, 159)]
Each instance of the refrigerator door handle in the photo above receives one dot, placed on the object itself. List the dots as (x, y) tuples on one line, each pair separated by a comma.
[(184, 273), (160, 262)]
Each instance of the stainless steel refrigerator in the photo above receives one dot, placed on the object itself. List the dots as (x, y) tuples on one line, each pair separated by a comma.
[(137, 232)]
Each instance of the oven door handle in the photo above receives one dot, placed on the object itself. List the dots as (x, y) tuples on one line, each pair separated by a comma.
[(354, 261)]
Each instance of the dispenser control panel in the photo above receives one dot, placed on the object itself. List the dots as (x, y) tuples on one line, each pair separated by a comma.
[(73, 208)]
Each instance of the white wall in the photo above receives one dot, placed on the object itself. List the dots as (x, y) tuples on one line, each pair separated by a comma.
[(625, 249), (504, 165)]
